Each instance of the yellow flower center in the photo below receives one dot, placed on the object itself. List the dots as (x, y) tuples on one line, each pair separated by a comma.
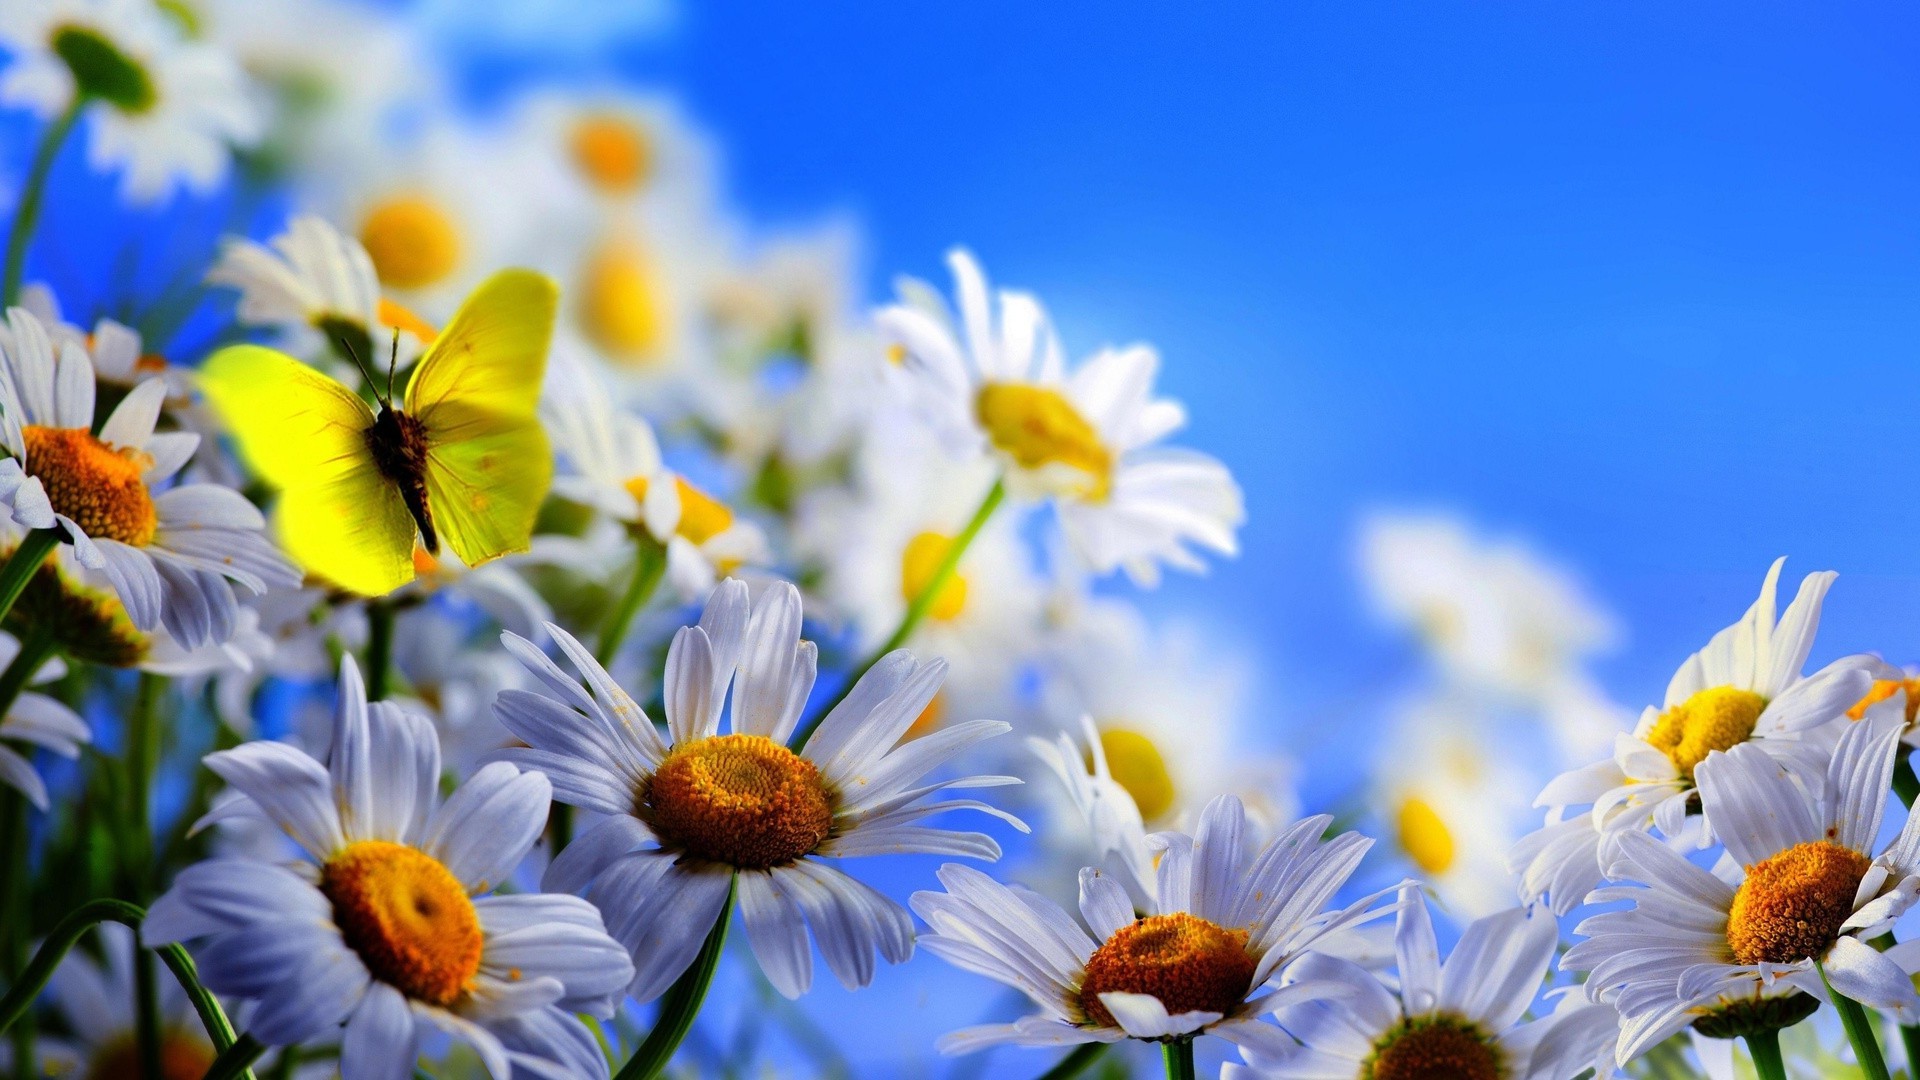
[(87, 623), (183, 1056), (742, 800), (407, 917), (896, 354), (1137, 766), (929, 720), (97, 486), (623, 303), (1435, 1048), (413, 241), (1424, 835), (1884, 689), (1038, 427), (702, 517), (1187, 962), (101, 70), (919, 563), (1791, 906), (613, 153), (1719, 718)]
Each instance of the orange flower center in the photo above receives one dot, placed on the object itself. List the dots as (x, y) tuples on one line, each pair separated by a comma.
[(1791, 906), (407, 916), (97, 486), (623, 303), (412, 240), (1187, 962), (1435, 1048), (1884, 689), (1718, 718), (613, 153), (743, 800), (183, 1056)]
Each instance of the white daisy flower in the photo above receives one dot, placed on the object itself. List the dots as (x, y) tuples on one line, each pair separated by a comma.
[(388, 929), (697, 813), (1895, 694), (1086, 438), (314, 281), (1800, 886), (172, 555), (96, 1001), (1745, 686), (172, 109), (1464, 1019), (1221, 927), (36, 720)]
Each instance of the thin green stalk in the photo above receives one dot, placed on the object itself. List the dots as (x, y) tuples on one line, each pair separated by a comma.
[(23, 563), (27, 215), (379, 648), (916, 611), (236, 1060), (680, 1004), (1075, 1063), (1859, 1030), (1179, 1056), (1910, 1040), (1905, 783), (146, 1012), (143, 757), (283, 1068), (1764, 1047), (649, 565)]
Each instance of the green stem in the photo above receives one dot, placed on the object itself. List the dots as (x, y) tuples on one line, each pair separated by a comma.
[(143, 755), (1910, 1040), (1075, 1063), (1764, 1047), (1859, 1030), (13, 908), (379, 648), (283, 1068), (916, 611), (1905, 783), (649, 565), (146, 1012), (1179, 1056), (27, 215), (680, 1004), (22, 565), (236, 1059)]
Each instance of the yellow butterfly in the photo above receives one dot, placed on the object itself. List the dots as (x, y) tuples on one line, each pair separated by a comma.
[(464, 457)]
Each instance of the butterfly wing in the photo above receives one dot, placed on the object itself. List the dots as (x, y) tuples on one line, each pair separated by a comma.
[(306, 435), (475, 394)]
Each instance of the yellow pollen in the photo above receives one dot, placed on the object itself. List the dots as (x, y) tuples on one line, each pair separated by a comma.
[(919, 563), (1790, 907), (1884, 689), (613, 153), (929, 720), (896, 354), (395, 316), (183, 1056), (1435, 1048), (702, 517), (1424, 835), (407, 917), (97, 486), (413, 241), (1138, 766), (1187, 962), (1038, 427), (742, 800), (1719, 718), (623, 305)]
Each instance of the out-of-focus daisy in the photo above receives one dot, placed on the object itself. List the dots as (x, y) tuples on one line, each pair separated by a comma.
[(314, 281), (1895, 694), (1086, 438), (96, 1000), (1221, 927), (170, 109), (1464, 1019), (693, 817), (609, 460), (387, 929), (1745, 686), (173, 555), (36, 720), (1800, 887)]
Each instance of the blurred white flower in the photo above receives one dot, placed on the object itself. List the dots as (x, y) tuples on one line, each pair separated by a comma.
[(36, 720)]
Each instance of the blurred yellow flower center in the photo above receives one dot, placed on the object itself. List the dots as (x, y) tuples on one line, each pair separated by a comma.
[(1424, 835), (1038, 427), (407, 917), (929, 719), (613, 153), (1137, 766), (1719, 718), (1790, 907), (183, 1056), (101, 70), (394, 316), (623, 305), (96, 485), (702, 517), (1435, 1048), (1884, 689), (896, 354), (742, 800), (919, 563), (1187, 962), (413, 241)]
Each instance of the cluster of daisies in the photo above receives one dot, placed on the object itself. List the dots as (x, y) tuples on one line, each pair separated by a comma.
[(817, 579)]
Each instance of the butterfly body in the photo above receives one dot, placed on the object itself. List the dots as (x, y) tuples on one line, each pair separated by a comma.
[(398, 444)]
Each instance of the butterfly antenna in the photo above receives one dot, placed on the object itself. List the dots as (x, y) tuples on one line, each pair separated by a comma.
[(354, 355), (393, 361)]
